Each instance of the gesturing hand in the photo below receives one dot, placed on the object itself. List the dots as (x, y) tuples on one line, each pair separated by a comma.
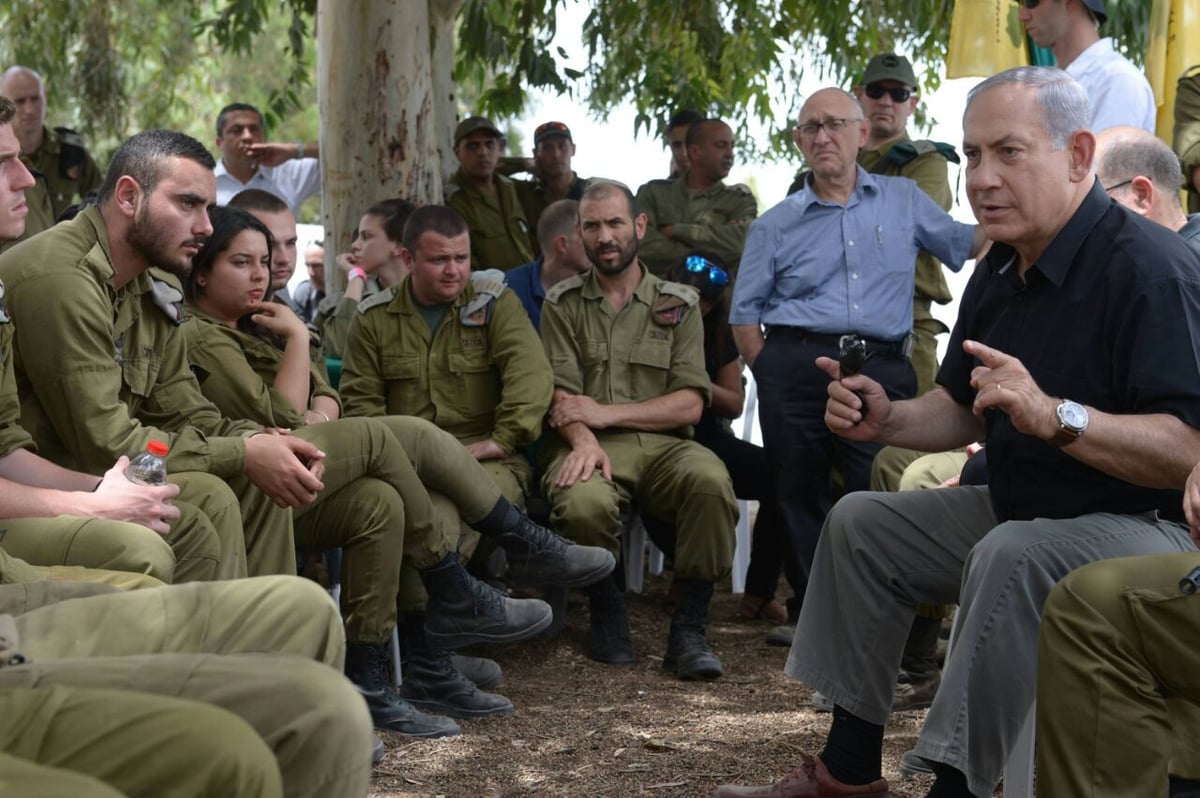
[(1002, 382)]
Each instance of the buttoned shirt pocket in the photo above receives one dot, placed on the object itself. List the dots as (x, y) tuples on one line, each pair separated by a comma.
[(402, 373), (649, 368), (593, 356), (478, 387), (894, 247), (139, 372)]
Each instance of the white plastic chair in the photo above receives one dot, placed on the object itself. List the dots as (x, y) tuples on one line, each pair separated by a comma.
[(741, 553), (634, 544)]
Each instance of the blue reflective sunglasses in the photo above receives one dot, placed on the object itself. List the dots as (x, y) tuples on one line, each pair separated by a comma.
[(716, 275)]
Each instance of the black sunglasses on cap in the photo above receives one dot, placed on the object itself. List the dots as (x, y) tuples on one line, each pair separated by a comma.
[(897, 93)]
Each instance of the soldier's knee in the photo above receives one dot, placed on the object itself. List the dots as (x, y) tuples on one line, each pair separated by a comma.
[(135, 548), (237, 762)]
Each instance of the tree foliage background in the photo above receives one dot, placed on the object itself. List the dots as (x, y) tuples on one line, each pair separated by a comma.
[(117, 66)]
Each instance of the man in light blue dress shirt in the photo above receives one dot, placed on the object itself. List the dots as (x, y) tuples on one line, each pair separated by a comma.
[(832, 259)]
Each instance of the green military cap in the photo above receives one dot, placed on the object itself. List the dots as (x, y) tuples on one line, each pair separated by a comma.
[(889, 66), (473, 124)]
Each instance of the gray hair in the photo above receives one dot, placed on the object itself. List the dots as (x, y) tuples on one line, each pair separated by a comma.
[(1063, 101)]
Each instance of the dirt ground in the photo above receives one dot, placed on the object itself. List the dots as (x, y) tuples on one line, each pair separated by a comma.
[(582, 729)]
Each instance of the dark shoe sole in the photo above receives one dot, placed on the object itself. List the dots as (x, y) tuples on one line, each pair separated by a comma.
[(399, 727), (694, 674), (517, 577), (459, 713), (619, 661), (455, 640)]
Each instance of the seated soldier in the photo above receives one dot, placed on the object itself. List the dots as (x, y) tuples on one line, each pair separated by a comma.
[(628, 359), (252, 360), (372, 264), (210, 689), (453, 347)]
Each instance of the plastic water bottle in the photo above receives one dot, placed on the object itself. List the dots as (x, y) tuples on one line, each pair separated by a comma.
[(149, 467)]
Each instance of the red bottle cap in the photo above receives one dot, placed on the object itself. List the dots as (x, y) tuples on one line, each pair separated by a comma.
[(158, 448)]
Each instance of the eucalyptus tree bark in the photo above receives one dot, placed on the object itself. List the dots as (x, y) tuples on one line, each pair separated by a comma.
[(379, 132), (442, 14)]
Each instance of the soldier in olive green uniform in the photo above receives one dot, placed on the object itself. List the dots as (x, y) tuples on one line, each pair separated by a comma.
[(554, 180), (366, 470), (697, 211), (481, 376), (1187, 134), (501, 236), (57, 154), (629, 382), (134, 691), (86, 403)]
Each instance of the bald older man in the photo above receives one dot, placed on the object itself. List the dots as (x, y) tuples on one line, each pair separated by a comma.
[(1142, 173)]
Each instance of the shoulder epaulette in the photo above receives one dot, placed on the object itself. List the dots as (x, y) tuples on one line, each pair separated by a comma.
[(69, 137), (375, 300), (903, 152), (488, 285), (672, 303), (741, 188), (167, 297), (570, 284)]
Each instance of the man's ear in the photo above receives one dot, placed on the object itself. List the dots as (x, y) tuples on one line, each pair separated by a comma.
[(1082, 146), (127, 196), (1141, 188)]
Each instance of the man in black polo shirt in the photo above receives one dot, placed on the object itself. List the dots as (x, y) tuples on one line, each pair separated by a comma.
[(1075, 357)]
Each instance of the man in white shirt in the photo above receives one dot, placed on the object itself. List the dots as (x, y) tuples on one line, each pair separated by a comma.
[(289, 171), (1117, 91)]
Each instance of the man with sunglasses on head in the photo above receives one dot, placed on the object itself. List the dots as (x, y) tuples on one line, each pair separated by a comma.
[(1117, 91)]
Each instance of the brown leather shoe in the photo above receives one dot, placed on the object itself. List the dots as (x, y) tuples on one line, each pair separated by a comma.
[(760, 608), (810, 780)]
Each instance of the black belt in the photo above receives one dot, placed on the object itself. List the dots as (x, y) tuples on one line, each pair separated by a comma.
[(899, 348)]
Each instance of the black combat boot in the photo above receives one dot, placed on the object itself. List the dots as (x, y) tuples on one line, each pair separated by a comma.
[(431, 682), (367, 665), (919, 673), (485, 673), (609, 640), (539, 558), (463, 611), (688, 653)]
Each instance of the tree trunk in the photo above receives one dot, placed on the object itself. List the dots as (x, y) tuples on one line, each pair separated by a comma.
[(379, 131), (442, 14)]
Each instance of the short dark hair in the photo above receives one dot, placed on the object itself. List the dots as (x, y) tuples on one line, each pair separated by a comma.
[(257, 199), (559, 218), (685, 117), (699, 129), (599, 189), (432, 219), (227, 223), (143, 157), (223, 117), (394, 212), (7, 110)]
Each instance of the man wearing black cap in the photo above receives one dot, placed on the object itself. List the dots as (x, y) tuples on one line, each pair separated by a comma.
[(1117, 91), (500, 235), (553, 178)]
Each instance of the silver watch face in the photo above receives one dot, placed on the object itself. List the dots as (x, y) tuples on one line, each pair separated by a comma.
[(1073, 416)]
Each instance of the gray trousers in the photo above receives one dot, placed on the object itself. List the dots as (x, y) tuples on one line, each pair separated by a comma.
[(881, 554)]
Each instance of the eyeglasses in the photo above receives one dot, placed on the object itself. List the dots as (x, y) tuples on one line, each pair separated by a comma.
[(898, 94), (716, 275), (809, 130), (1116, 186)]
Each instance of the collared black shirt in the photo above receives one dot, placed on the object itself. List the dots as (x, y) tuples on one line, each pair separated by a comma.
[(1108, 316)]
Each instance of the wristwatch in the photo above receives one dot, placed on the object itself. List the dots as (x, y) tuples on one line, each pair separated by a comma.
[(1072, 421)]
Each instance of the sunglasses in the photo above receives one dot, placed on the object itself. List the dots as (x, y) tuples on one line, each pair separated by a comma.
[(897, 93), (716, 275)]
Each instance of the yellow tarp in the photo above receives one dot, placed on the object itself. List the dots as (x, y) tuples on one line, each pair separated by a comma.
[(986, 37)]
